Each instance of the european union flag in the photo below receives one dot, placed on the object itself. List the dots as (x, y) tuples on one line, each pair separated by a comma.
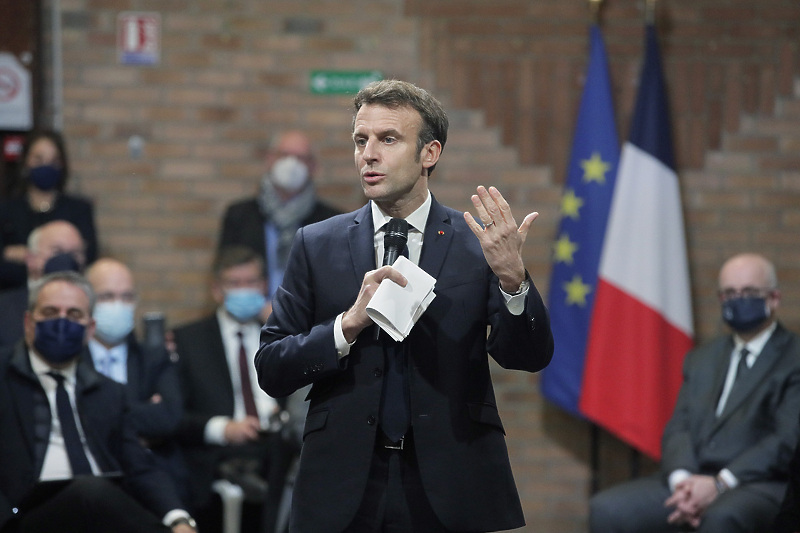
[(584, 212)]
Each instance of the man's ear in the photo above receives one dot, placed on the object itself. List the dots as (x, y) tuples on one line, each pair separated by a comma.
[(430, 154), (217, 293)]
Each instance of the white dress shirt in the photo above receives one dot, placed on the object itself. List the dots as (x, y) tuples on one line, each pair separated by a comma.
[(56, 462), (111, 362), (265, 404)]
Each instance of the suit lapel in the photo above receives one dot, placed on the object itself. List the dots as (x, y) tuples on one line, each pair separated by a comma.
[(135, 371), (218, 362), (22, 391), (361, 237), (744, 386), (438, 236)]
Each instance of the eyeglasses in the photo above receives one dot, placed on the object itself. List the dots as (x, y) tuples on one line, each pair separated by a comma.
[(746, 292), (126, 297)]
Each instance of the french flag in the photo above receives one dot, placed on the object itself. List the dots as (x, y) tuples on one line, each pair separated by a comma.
[(641, 323)]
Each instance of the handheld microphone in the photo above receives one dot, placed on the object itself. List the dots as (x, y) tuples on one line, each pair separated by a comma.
[(394, 240)]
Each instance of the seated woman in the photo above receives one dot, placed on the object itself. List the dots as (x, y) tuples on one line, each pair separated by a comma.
[(40, 198)]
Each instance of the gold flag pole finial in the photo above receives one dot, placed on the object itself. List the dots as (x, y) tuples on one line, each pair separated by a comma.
[(650, 12), (594, 5)]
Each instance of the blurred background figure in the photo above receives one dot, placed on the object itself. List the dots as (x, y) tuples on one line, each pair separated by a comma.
[(227, 432), (52, 247), (40, 198), (149, 372), (286, 201)]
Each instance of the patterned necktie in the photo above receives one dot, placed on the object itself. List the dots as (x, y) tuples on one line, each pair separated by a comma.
[(244, 372), (69, 429)]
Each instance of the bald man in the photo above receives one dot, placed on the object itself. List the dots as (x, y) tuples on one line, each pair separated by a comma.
[(286, 201), (726, 449), (54, 246), (150, 373)]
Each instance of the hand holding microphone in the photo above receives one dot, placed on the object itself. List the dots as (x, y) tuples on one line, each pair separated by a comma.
[(356, 319)]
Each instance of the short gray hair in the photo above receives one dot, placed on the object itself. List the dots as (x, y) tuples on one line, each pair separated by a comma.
[(67, 276)]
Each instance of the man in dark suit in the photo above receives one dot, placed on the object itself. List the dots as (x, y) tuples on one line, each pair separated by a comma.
[(65, 430), (286, 200), (726, 449), (225, 431), (150, 373), (55, 240), (404, 436)]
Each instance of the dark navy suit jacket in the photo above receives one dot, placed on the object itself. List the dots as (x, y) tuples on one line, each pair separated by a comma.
[(459, 437)]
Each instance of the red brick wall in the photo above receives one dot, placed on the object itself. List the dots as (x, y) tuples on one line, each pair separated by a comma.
[(509, 72)]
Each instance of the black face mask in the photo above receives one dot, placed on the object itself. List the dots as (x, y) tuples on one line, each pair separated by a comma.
[(60, 263), (59, 340), (745, 314), (46, 177)]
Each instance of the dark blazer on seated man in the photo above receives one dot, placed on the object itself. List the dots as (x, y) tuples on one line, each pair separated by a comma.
[(208, 392), (35, 448), (152, 372), (727, 446), (225, 432), (102, 406)]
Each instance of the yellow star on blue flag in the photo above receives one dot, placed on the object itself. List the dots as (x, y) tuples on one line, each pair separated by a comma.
[(594, 169)]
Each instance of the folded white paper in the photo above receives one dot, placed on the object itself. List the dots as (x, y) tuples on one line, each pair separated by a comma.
[(396, 309)]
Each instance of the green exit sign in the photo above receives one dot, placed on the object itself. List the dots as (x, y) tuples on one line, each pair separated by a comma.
[(341, 81)]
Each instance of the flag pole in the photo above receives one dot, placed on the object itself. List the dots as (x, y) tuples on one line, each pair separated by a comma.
[(594, 6), (650, 12)]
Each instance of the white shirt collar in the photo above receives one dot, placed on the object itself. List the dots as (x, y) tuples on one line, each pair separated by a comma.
[(229, 326), (757, 343), (416, 220), (40, 367)]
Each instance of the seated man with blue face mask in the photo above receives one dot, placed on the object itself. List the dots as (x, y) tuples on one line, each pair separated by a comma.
[(227, 417), (150, 373)]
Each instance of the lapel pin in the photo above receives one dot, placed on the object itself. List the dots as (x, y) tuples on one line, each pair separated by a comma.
[(441, 232)]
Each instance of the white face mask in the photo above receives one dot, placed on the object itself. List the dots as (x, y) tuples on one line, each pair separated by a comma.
[(289, 174), (114, 320)]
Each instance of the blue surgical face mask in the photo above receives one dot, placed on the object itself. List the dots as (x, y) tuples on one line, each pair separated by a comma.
[(45, 177), (745, 314), (59, 340), (244, 304), (113, 321)]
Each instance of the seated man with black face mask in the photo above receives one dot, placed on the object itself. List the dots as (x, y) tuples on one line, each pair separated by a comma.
[(52, 247), (726, 449), (66, 434)]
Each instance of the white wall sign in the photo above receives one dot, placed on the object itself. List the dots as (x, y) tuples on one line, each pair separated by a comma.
[(16, 109), (139, 38)]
